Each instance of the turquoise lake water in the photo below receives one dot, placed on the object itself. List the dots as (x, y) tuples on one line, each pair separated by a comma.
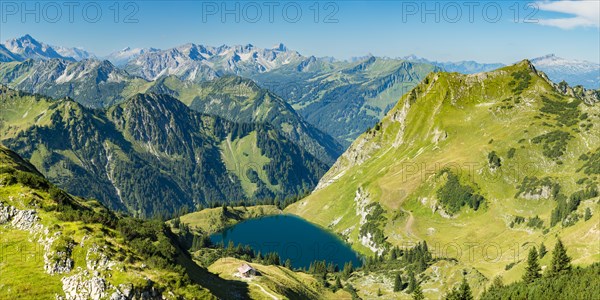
[(292, 238)]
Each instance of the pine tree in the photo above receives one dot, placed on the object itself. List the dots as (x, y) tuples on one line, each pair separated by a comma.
[(230, 248), (331, 268), (422, 264), (338, 282), (465, 290), (379, 293), (462, 292), (393, 254), (560, 260), (412, 282), (350, 289), (542, 251), (195, 243), (588, 214), (288, 263), (532, 271), (398, 285), (176, 222), (348, 269), (497, 283), (417, 294)]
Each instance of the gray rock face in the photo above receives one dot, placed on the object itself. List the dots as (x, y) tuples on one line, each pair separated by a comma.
[(97, 260), (57, 262), (82, 286), (589, 96), (20, 219), (128, 292)]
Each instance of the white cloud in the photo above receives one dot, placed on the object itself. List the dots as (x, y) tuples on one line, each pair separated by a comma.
[(585, 13)]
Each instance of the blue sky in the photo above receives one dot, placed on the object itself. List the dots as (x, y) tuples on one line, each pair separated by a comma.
[(485, 31)]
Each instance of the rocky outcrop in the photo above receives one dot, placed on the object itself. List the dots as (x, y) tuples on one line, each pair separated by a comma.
[(85, 283), (367, 241), (20, 219), (590, 97), (89, 283), (82, 286), (129, 292), (96, 259), (543, 192), (356, 154), (363, 209), (57, 261), (439, 135), (361, 200), (400, 117)]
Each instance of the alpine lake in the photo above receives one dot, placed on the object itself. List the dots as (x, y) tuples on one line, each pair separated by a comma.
[(292, 238)]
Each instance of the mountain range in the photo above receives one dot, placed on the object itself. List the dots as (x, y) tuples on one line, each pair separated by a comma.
[(574, 72), (344, 98), (357, 99), (464, 67), (198, 62), (437, 173), (190, 61), (152, 155), (123, 56), (319, 105), (353, 94)]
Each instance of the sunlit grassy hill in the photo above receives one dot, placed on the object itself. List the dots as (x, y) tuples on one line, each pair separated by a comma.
[(480, 166), (57, 246)]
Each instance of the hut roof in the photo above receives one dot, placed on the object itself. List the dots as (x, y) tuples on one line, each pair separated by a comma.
[(245, 268)]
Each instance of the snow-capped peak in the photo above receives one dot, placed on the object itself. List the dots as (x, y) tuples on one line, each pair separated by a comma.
[(412, 57), (122, 57), (28, 47), (77, 53), (571, 70), (554, 61)]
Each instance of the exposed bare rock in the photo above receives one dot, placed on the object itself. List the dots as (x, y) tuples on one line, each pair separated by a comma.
[(20, 219), (97, 260), (358, 153), (589, 97), (400, 117), (82, 286), (57, 261), (361, 200), (543, 192)]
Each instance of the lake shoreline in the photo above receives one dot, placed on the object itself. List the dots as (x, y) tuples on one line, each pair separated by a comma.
[(291, 237)]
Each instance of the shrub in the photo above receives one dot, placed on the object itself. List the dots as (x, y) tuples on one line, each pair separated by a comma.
[(454, 195), (494, 160)]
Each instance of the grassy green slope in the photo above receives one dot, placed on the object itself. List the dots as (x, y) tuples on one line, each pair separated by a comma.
[(212, 220), (47, 237), (276, 282), (456, 121), (243, 155)]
